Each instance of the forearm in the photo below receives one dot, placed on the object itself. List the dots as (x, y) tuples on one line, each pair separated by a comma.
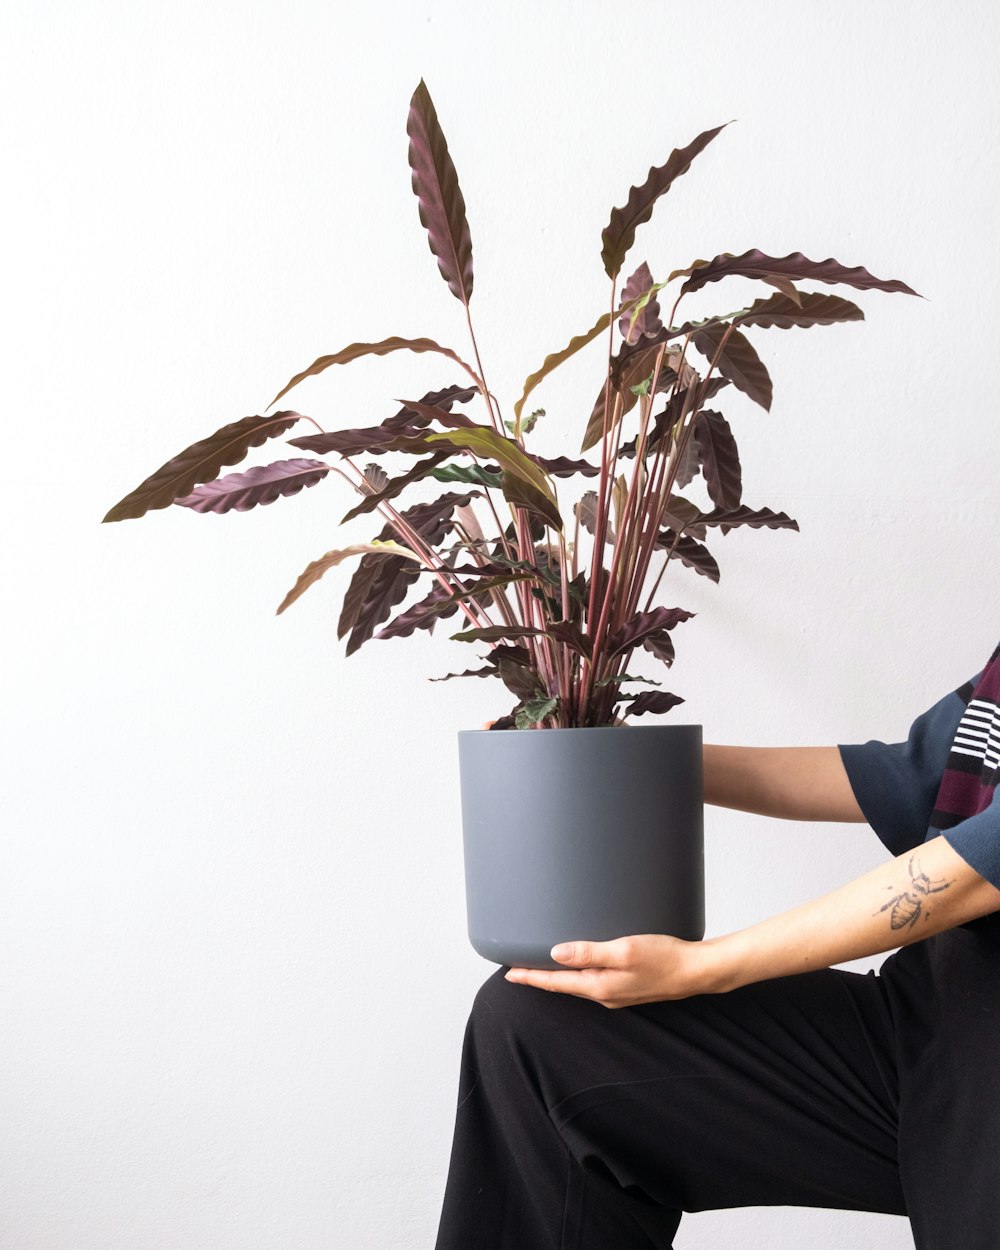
[(912, 897), (791, 783)]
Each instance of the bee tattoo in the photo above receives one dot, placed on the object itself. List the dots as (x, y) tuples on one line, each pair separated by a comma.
[(907, 907)]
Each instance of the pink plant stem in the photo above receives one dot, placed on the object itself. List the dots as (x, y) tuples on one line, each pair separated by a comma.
[(413, 538)]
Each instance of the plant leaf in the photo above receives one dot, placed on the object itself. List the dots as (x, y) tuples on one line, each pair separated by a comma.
[(377, 438), (439, 197), (620, 677), (512, 459), (354, 351), (619, 234), (730, 518), (467, 473), (814, 309), (755, 264), (523, 494), (642, 626), (378, 584), (655, 701), (738, 363), (720, 460), (690, 552), (314, 571), (586, 510), (645, 319), (440, 603), (396, 485), (562, 466), (486, 671), (261, 485), (200, 462), (535, 711)]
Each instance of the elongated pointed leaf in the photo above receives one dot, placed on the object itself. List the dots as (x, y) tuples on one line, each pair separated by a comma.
[(379, 583), (535, 711), (487, 442), (314, 571), (522, 494), (554, 360), (654, 701), (261, 485), (642, 626), (619, 234), (813, 309), (487, 670), (479, 473), (200, 462), (586, 510), (720, 459), (739, 362), (439, 603), (378, 438), (562, 466), (731, 518), (354, 351), (690, 552), (439, 197), (430, 412), (395, 486), (755, 264), (644, 320)]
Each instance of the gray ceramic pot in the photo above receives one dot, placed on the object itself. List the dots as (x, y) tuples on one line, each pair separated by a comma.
[(581, 833)]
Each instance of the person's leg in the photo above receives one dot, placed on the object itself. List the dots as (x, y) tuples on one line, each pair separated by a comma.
[(580, 1128), (945, 998)]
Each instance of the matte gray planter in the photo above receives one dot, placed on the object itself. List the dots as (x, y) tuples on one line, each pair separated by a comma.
[(581, 833)]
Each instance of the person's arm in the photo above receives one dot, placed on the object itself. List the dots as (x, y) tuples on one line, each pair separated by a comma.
[(792, 783), (919, 893)]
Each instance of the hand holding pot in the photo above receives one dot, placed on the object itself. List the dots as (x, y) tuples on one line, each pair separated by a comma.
[(642, 968)]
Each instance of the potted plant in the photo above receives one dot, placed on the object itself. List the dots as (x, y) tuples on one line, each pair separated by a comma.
[(578, 831)]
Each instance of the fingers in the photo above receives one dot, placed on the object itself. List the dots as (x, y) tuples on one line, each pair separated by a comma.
[(614, 954), (487, 723)]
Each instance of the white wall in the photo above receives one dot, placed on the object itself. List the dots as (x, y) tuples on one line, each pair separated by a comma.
[(234, 970)]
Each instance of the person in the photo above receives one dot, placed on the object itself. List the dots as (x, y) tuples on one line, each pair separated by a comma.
[(650, 1076)]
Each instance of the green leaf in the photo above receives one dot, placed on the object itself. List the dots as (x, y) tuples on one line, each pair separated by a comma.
[(467, 473), (607, 681), (534, 712)]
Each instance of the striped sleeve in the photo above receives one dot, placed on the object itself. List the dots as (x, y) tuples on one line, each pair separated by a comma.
[(896, 783)]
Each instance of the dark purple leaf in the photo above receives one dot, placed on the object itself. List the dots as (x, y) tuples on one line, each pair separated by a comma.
[(814, 309), (690, 552), (200, 462), (643, 625), (739, 362), (720, 459), (377, 438), (730, 518), (562, 466), (439, 197), (755, 264), (619, 234), (655, 701), (396, 485), (261, 485), (647, 320)]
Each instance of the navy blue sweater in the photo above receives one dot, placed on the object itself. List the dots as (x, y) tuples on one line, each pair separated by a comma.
[(942, 779)]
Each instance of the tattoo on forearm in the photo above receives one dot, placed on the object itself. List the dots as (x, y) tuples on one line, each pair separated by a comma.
[(908, 907)]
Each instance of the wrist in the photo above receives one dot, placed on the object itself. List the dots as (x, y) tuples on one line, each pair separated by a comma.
[(719, 965)]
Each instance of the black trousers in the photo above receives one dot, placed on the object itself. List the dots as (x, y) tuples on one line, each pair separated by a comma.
[(584, 1128)]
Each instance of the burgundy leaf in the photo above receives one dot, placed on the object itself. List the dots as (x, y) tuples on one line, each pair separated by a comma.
[(376, 438), (619, 234), (661, 645), (720, 459), (430, 412), (664, 421), (655, 701), (690, 552), (756, 517), (641, 626), (442, 603), (814, 309), (396, 485), (755, 264), (380, 582), (688, 462), (520, 679), (439, 197), (200, 462), (487, 671), (562, 466), (739, 362), (647, 320), (262, 485), (586, 510)]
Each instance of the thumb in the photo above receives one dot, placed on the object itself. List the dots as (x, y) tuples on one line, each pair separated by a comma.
[(576, 954)]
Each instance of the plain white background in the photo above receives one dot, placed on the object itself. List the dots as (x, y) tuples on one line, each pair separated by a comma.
[(234, 973)]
